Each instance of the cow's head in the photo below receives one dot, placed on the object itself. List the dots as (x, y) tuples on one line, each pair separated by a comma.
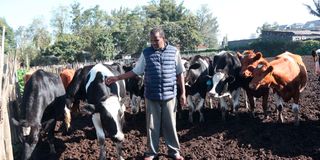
[(28, 135), (111, 115), (198, 66), (262, 76), (220, 83), (247, 59)]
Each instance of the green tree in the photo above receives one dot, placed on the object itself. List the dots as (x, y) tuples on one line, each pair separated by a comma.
[(268, 27), (61, 20), (9, 43), (316, 10), (208, 26)]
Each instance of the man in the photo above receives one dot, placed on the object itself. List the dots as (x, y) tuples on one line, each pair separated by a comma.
[(163, 69)]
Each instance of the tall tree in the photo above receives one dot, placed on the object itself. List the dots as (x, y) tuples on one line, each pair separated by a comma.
[(61, 20), (316, 11), (9, 36), (208, 26)]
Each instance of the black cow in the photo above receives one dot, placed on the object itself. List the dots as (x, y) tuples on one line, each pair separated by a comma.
[(42, 105), (104, 105), (226, 80), (135, 87), (196, 84)]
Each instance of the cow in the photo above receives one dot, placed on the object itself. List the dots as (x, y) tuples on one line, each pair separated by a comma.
[(286, 75), (66, 76), (101, 101), (196, 84), (226, 80), (252, 59), (135, 87), (315, 56), (43, 103), (76, 91), (105, 107)]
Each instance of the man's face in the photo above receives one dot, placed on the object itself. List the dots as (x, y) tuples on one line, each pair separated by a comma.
[(157, 41)]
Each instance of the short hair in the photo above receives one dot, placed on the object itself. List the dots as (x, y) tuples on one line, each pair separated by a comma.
[(157, 29)]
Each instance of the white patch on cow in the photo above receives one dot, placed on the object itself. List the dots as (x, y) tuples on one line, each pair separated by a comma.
[(259, 65), (105, 73), (26, 131), (112, 105), (204, 62), (278, 99), (295, 107), (98, 126), (221, 52), (215, 80), (287, 56)]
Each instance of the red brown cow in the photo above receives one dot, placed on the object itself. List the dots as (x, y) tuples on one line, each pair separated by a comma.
[(250, 59), (66, 76), (286, 75)]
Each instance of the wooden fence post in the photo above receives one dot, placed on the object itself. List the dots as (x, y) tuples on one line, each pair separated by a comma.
[(5, 134)]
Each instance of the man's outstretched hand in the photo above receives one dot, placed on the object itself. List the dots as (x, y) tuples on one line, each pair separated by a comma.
[(111, 80)]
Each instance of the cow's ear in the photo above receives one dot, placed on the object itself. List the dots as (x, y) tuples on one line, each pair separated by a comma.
[(239, 55), (15, 122), (258, 56), (269, 69), (313, 53), (251, 68), (195, 66)]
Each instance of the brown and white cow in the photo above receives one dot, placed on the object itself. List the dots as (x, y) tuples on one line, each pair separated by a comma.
[(66, 76), (286, 75), (251, 59), (315, 55)]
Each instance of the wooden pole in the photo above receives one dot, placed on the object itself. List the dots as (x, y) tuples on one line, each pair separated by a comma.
[(5, 134)]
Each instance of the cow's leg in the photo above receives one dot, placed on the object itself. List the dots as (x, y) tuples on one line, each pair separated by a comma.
[(246, 97), (265, 105), (235, 100), (224, 108), (296, 109), (31, 141), (252, 103), (199, 108), (50, 129), (67, 119), (119, 150), (279, 103), (100, 135), (191, 108), (133, 104)]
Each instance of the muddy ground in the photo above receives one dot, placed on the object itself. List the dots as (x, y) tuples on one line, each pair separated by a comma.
[(244, 138)]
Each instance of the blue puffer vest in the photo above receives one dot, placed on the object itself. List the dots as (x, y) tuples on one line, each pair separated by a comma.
[(160, 73)]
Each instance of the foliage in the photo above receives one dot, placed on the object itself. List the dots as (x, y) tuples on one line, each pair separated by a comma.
[(9, 42), (66, 48), (208, 27), (316, 11)]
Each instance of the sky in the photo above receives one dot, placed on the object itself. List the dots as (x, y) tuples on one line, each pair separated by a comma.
[(237, 19)]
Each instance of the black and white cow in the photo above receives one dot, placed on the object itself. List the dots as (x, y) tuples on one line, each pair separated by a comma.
[(226, 80), (105, 107), (135, 87), (196, 84), (42, 105), (76, 90)]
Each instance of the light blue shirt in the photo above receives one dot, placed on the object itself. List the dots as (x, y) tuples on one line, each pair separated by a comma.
[(141, 64)]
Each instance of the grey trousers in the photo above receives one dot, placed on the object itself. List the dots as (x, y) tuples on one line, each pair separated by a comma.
[(161, 114)]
